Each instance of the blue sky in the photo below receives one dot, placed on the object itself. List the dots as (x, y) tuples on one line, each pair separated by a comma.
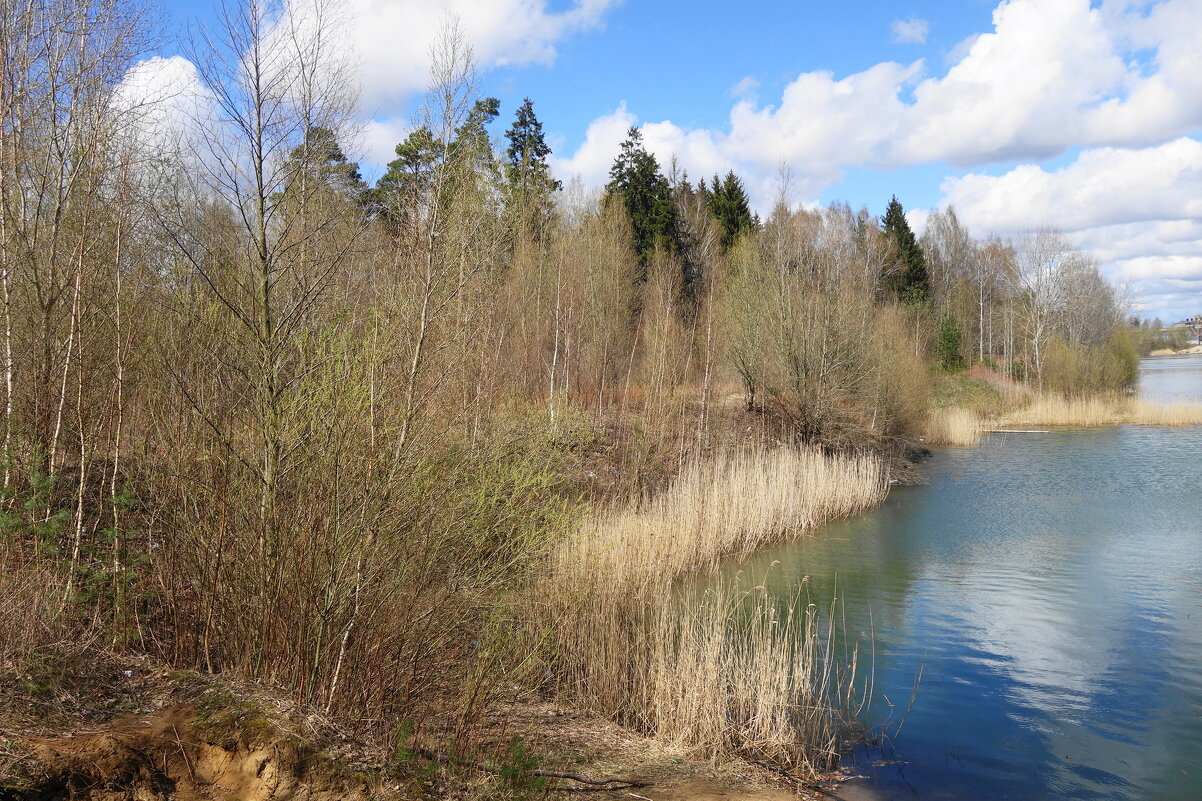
[(1021, 113)]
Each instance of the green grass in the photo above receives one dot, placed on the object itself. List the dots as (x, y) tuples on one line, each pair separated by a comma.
[(964, 391)]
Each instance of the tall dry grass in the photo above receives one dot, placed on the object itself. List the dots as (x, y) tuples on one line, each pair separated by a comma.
[(734, 504), (722, 671), (954, 426), (1104, 410), (1147, 413)]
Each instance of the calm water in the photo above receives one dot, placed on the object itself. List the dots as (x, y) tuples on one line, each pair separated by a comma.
[(1050, 587)]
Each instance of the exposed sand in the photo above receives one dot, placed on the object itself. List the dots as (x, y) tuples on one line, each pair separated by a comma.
[(1190, 351)]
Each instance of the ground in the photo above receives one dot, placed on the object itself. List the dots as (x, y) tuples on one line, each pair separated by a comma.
[(109, 727)]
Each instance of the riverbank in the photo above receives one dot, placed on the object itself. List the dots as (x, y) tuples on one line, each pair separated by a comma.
[(1192, 350), (104, 726)]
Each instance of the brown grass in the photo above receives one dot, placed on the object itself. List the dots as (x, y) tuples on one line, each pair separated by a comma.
[(954, 426), (724, 671), (732, 505), (1105, 410)]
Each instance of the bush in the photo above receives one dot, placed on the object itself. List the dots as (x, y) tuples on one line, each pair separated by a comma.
[(1078, 370)]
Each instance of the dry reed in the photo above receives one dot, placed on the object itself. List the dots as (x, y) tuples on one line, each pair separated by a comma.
[(732, 505), (721, 672), (1146, 413), (954, 426), (1106, 410)]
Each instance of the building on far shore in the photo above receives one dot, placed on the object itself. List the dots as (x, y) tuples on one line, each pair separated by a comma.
[(1194, 326)]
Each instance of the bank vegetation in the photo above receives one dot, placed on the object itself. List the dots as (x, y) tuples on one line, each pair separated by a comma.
[(408, 451)]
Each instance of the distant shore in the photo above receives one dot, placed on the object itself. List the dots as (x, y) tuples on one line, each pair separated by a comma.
[(1192, 350)]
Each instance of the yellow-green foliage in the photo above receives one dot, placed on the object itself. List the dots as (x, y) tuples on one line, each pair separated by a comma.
[(810, 340), (1078, 370), (966, 392)]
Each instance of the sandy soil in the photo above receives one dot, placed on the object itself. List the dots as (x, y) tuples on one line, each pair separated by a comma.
[(1190, 351)]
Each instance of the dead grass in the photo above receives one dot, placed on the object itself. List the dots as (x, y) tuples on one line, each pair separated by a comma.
[(1146, 413), (954, 426), (735, 504), (1054, 410), (725, 671)]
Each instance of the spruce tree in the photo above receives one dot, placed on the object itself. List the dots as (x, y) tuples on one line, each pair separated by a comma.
[(412, 175), (728, 203), (907, 279), (471, 145), (947, 344), (526, 170), (635, 177)]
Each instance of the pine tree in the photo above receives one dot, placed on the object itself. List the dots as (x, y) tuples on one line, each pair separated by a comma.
[(471, 145), (908, 279), (320, 158), (413, 173), (526, 168), (728, 203), (635, 177)]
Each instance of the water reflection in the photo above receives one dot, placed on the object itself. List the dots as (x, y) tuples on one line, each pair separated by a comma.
[(1051, 588)]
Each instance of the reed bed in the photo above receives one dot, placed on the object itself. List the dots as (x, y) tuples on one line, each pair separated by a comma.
[(954, 426), (1144, 412), (733, 505), (1054, 410), (722, 671)]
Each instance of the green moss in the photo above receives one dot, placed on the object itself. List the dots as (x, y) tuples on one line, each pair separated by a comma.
[(964, 391), (229, 722)]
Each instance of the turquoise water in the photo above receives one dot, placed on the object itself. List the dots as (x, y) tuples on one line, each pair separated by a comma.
[(1049, 587)]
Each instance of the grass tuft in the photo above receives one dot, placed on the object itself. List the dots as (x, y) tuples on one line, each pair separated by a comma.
[(954, 426)]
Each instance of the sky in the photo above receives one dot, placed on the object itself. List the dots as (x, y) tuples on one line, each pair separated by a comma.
[(1021, 114)]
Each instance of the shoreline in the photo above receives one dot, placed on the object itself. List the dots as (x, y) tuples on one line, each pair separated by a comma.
[(1192, 350)]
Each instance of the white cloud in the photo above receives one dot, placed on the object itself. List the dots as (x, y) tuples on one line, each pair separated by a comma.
[(1102, 187), (591, 161), (910, 31), (159, 98), (392, 38), (744, 87), (1050, 76), (1139, 211)]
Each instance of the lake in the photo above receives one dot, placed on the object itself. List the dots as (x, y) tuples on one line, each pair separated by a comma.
[(1049, 587)]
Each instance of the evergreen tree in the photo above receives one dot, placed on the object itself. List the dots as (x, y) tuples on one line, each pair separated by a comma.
[(411, 174), (947, 344), (526, 168), (320, 159), (636, 178), (471, 145), (728, 202), (908, 279)]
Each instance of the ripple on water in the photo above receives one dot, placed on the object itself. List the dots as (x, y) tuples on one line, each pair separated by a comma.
[(1050, 589)]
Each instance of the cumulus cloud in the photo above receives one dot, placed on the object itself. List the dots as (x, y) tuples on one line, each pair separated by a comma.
[(392, 38), (1048, 77), (1138, 210), (159, 97), (1103, 186), (590, 163), (910, 31)]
